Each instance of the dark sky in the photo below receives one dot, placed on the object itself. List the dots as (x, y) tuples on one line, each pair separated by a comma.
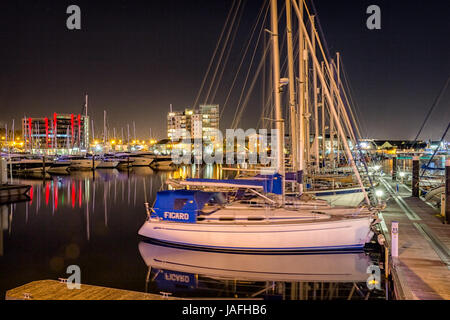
[(134, 58)]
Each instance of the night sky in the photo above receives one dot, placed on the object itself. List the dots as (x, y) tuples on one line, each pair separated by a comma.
[(134, 58)]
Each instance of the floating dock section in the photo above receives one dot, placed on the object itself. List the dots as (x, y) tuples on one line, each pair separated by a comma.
[(421, 271)]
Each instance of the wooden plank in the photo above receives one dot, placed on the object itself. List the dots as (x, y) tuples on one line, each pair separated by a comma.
[(55, 290)]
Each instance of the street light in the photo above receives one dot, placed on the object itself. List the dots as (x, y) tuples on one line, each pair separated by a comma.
[(379, 193), (402, 175)]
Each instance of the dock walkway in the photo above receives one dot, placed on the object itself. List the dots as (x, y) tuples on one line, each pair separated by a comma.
[(422, 269), (56, 290)]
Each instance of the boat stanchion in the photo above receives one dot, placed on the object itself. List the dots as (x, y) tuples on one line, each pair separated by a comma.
[(447, 191)]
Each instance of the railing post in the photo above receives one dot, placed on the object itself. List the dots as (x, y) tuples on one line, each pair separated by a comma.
[(415, 176), (394, 239)]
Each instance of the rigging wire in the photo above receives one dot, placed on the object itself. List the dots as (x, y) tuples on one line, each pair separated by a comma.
[(435, 103), (214, 54), (223, 50), (239, 109), (244, 55), (436, 150), (227, 56)]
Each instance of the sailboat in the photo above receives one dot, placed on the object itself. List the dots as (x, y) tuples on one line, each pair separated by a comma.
[(205, 220)]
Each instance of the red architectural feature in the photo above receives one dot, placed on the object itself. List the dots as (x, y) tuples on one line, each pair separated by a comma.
[(55, 129), (72, 125)]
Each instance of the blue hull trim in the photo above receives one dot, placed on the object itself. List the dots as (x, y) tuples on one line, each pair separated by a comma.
[(352, 248)]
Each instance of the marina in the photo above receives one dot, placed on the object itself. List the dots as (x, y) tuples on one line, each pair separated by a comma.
[(274, 183)]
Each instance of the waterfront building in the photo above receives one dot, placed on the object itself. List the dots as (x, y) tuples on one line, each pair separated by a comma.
[(198, 123), (58, 134)]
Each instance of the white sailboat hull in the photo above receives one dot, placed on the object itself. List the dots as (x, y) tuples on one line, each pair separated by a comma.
[(329, 234), (108, 164), (84, 164), (140, 161)]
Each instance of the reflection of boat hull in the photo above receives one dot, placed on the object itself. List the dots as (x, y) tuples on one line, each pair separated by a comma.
[(59, 167), (162, 164), (11, 192), (28, 166), (349, 267), (334, 234)]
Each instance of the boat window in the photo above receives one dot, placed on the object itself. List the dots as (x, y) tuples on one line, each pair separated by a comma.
[(255, 218), (226, 219), (179, 204)]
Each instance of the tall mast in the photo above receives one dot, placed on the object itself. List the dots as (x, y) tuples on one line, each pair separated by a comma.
[(276, 90), (301, 98), (323, 121), (105, 139), (333, 113), (333, 163), (316, 110), (290, 51), (338, 93), (86, 124)]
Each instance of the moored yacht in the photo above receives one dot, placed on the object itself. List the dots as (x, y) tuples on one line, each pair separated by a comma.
[(80, 162), (203, 220)]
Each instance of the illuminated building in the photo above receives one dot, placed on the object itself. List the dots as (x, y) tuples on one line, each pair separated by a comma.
[(58, 134), (194, 123)]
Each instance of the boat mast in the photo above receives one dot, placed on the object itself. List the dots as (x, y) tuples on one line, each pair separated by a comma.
[(323, 122), (86, 124), (333, 164), (279, 124), (333, 110), (301, 100), (338, 93), (316, 108), (104, 128), (293, 115)]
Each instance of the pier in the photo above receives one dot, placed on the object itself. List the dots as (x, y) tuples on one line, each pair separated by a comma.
[(56, 290), (422, 269)]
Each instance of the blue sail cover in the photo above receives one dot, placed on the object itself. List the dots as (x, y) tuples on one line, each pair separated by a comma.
[(180, 205), (270, 183)]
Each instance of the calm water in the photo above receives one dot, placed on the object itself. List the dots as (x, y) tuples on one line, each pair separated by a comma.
[(92, 221)]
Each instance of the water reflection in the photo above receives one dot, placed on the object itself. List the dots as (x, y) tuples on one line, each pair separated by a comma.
[(193, 273), (91, 219)]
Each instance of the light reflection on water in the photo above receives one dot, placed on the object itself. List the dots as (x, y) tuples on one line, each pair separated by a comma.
[(91, 219)]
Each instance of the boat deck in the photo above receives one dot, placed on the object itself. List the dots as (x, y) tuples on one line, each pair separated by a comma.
[(422, 269)]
